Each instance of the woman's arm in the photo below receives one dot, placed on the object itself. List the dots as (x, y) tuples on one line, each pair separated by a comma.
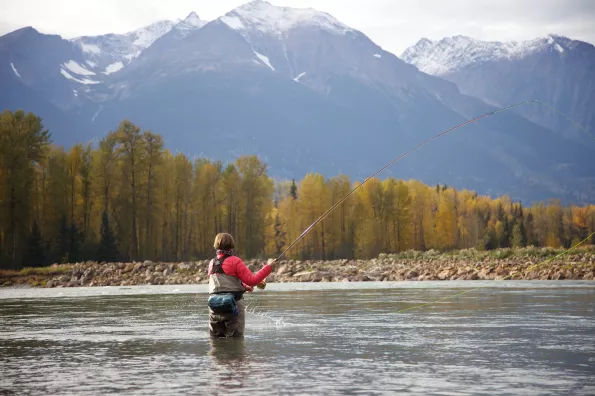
[(246, 276)]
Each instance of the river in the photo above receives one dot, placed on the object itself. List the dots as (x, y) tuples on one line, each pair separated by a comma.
[(507, 337)]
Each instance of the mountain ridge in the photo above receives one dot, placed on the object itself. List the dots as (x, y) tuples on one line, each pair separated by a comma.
[(314, 96), (554, 69)]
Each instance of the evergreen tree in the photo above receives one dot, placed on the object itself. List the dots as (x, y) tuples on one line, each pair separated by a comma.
[(293, 190), (490, 239), (517, 236), (504, 241), (280, 235), (530, 236), (523, 233), (35, 253), (62, 242), (108, 249), (76, 239)]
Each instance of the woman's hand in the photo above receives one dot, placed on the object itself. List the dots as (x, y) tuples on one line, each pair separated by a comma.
[(248, 288), (272, 263)]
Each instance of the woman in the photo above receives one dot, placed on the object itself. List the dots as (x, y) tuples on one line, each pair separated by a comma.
[(229, 278)]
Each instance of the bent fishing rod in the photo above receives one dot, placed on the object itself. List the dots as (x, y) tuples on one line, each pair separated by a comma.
[(329, 210)]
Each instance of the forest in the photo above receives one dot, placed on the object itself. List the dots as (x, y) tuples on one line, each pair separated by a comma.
[(128, 198)]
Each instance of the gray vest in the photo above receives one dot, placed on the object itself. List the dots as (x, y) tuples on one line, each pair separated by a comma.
[(223, 283)]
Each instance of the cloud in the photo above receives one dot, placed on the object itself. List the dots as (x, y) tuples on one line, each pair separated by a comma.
[(394, 25)]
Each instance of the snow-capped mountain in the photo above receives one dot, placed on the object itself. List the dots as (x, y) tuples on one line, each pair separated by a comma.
[(189, 24), (306, 93), (111, 52), (553, 69), (262, 17), (454, 53)]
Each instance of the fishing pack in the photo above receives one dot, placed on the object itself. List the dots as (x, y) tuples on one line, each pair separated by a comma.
[(223, 303)]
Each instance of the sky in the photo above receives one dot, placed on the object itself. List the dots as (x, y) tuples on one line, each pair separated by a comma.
[(393, 24)]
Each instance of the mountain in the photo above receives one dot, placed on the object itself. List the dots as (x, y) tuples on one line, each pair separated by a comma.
[(309, 94), (110, 53), (553, 69), (36, 74)]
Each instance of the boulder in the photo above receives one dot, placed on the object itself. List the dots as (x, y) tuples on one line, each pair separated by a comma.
[(284, 269), (500, 271), (411, 275), (558, 276), (446, 274)]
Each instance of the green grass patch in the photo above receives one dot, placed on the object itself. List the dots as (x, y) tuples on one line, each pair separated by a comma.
[(41, 271), (498, 254)]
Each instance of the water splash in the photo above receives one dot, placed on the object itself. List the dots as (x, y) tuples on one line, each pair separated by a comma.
[(252, 310)]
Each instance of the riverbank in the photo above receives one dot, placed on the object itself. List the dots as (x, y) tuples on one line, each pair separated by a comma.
[(525, 264)]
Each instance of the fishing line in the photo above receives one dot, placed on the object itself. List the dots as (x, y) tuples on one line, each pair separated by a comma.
[(564, 115), (303, 234)]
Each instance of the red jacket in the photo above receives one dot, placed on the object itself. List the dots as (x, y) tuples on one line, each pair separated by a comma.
[(234, 266)]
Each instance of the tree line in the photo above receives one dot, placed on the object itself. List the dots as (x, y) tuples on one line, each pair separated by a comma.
[(128, 198)]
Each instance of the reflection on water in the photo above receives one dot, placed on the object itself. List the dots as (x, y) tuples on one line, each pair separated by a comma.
[(532, 339), (230, 351)]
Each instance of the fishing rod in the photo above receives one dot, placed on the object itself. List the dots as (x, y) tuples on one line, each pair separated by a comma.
[(329, 210)]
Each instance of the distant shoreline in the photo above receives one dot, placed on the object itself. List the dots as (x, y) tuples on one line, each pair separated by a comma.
[(514, 264)]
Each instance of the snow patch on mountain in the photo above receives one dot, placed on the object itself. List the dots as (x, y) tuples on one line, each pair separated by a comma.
[(233, 22), (14, 69), (143, 38), (114, 67), (97, 113), (77, 69), (262, 16), (70, 77), (90, 63), (90, 48), (264, 59), (377, 56), (454, 53), (297, 79), (108, 49)]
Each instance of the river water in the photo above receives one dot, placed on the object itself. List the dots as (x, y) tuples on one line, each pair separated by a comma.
[(506, 338)]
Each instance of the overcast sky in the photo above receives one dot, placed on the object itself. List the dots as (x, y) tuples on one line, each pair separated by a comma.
[(393, 24)]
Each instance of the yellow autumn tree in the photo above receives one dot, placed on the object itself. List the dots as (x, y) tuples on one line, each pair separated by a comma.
[(446, 222)]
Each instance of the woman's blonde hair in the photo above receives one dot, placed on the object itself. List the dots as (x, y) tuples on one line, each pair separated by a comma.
[(224, 241)]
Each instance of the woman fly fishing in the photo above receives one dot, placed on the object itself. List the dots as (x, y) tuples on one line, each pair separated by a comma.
[(229, 279)]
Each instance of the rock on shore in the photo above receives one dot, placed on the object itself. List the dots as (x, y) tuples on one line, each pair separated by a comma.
[(570, 267)]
